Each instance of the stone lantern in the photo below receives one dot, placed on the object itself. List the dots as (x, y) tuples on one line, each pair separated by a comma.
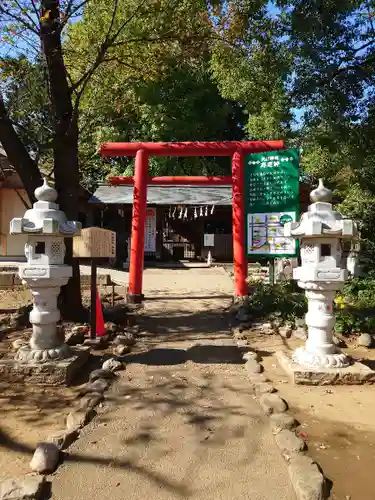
[(321, 231), (44, 273)]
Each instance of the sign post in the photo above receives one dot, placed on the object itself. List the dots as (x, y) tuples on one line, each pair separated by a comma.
[(94, 243), (271, 200)]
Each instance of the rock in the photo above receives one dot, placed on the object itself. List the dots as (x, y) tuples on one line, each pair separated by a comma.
[(285, 332), (251, 355), (272, 403), (22, 488), (99, 385), (253, 366), (76, 335), (125, 339), (135, 329), (90, 401), (307, 480), (63, 439), (365, 340), (18, 343), (101, 373), (281, 421), (238, 334), (264, 388), (112, 365), (242, 343), (300, 333), (120, 350), (110, 327), (78, 419), (339, 342), (94, 343), (45, 458), (289, 443)]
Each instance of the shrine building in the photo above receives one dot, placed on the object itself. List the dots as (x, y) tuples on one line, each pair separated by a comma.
[(183, 222)]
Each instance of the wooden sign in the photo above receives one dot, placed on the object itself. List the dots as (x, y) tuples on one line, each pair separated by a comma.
[(95, 242)]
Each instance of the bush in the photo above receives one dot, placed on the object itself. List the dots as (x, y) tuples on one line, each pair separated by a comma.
[(356, 301), (283, 300)]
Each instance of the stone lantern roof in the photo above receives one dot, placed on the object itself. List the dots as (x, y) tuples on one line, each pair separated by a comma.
[(45, 216), (321, 220)]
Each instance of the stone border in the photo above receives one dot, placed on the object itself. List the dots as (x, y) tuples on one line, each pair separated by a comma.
[(306, 476), (49, 454)]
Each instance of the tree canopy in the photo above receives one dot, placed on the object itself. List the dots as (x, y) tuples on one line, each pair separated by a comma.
[(77, 73)]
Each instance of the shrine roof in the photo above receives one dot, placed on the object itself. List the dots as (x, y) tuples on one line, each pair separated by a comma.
[(165, 195)]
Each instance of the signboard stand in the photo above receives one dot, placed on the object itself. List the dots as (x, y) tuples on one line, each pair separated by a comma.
[(94, 243), (94, 267), (272, 199)]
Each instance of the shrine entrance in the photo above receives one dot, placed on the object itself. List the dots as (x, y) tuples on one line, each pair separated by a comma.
[(143, 151)]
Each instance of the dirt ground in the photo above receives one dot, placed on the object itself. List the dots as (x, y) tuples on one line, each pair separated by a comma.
[(338, 422), (185, 423), (29, 413)]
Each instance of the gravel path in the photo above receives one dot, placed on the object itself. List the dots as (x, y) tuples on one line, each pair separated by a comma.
[(182, 422)]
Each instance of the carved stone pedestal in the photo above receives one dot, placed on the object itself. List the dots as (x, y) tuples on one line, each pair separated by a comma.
[(49, 373), (355, 374)]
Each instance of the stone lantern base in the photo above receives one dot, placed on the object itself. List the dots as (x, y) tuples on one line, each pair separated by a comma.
[(355, 374), (52, 373)]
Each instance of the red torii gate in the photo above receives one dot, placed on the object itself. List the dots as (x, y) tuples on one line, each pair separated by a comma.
[(142, 151)]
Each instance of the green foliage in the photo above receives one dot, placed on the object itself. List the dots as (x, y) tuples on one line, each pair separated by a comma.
[(357, 313), (283, 300)]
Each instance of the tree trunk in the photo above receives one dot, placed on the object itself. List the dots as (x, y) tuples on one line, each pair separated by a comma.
[(17, 154), (65, 143)]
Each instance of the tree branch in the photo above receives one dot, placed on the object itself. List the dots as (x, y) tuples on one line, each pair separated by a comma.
[(20, 20)]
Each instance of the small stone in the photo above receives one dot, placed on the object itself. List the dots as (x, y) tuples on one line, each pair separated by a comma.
[(76, 335), (99, 385), (272, 403), (45, 458), (110, 327), (300, 322), (63, 439), (264, 388), (22, 488), (285, 332), (307, 480), (238, 333), (251, 355), (300, 333), (289, 443), (18, 343), (253, 366), (94, 343), (242, 343), (365, 340), (125, 339), (339, 342), (281, 421), (90, 401), (112, 365), (101, 373), (120, 350), (78, 419)]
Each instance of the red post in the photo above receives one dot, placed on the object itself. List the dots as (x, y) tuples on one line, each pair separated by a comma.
[(138, 227), (238, 216)]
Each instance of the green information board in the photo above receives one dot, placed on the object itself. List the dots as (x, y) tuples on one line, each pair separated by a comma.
[(271, 200)]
